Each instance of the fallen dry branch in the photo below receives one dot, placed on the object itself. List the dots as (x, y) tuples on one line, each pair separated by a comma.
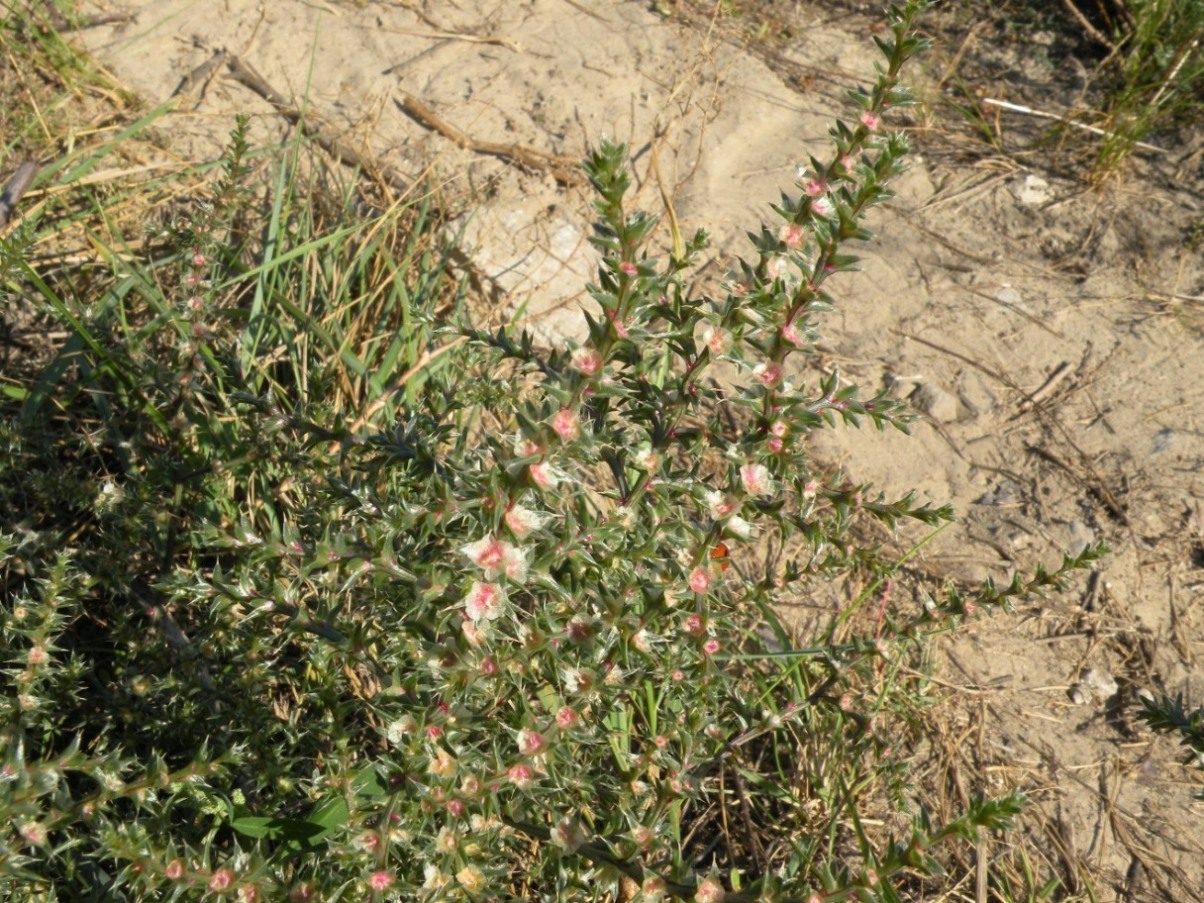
[(563, 169), (1088, 27), (457, 36), (201, 74), (243, 73), (1046, 388)]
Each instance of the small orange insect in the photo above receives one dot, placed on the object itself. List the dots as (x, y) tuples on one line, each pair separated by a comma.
[(721, 556)]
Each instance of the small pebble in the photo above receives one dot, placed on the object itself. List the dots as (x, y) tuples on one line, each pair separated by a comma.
[(938, 404)]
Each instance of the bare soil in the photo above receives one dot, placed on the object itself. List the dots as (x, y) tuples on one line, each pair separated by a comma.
[(1050, 334)]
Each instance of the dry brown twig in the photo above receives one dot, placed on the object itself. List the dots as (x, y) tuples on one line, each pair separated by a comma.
[(243, 73), (201, 74), (563, 169), (458, 36), (1087, 26)]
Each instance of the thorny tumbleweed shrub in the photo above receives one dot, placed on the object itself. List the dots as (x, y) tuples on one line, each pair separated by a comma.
[(507, 646)]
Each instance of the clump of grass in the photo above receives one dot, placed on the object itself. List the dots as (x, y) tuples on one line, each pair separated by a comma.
[(1157, 75)]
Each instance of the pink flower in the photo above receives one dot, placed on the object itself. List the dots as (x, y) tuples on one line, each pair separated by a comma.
[(580, 628), (566, 424), (717, 340), (568, 834), (530, 743), (646, 459), (174, 870), (779, 428), (544, 475), (566, 717), (719, 505), (221, 880), (486, 553), (871, 120), (791, 334), (815, 187), (822, 207), (775, 445), (526, 448), (576, 680), (495, 557), (586, 361), (777, 267), (523, 521), (756, 479), (694, 624), (643, 641), (792, 234), (653, 890), (521, 776), (628, 268), (768, 374), (484, 602), (471, 879), (619, 325), (380, 881), (474, 635), (711, 646), (198, 259), (700, 580), (442, 765), (709, 891)]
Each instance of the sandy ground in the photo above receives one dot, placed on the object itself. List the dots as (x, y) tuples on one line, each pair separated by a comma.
[(1051, 336)]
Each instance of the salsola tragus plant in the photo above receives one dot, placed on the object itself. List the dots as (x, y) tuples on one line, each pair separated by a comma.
[(506, 645)]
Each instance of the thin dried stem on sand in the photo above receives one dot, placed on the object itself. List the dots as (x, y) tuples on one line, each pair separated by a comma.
[(563, 169)]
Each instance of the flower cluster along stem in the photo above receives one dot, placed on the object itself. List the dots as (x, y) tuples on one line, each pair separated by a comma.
[(885, 93)]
